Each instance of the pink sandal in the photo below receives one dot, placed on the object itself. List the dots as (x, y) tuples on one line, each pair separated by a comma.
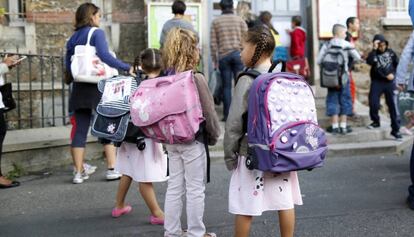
[(117, 212), (156, 221)]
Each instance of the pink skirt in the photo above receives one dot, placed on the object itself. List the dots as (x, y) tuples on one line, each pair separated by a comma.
[(253, 192)]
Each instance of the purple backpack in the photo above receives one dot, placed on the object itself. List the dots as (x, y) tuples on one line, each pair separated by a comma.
[(283, 134)]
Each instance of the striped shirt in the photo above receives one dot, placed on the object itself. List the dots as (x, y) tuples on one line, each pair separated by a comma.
[(226, 34)]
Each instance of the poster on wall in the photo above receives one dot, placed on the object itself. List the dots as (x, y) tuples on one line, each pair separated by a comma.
[(331, 12), (159, 13)]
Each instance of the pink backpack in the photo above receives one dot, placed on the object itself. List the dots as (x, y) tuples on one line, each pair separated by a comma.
[(168, 109)]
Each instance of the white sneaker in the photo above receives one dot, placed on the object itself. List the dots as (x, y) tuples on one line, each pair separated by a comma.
[(89, 169), (112, 175), (80, 177)]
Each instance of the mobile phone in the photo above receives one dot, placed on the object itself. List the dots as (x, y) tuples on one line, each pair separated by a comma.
[(21, 59)]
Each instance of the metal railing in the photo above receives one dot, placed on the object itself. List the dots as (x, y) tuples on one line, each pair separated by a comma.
[(39, 90)]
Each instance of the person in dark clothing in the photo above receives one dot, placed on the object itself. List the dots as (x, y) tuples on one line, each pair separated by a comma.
[(384, 62)]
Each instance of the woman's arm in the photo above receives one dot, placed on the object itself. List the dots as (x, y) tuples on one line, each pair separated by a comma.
[(102, 51)]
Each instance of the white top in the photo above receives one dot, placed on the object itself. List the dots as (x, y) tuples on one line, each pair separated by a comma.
[(3, 70)]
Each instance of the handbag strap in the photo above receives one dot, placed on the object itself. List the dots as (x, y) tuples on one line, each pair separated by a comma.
[(90, 33)]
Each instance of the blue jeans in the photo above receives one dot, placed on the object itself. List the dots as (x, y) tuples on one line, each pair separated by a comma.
[(339, 102), (230, 66)]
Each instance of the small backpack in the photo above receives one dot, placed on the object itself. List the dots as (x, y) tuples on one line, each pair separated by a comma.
[(283, 134), (112, 113), (168, 109), (333, 67)]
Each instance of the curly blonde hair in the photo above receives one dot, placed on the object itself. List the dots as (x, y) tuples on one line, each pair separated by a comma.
[(180, 52)]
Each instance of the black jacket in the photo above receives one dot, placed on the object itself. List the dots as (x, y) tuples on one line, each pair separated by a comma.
[(382, 64)]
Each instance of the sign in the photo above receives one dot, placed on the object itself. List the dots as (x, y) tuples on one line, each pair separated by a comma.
[(331, 12), (159, 13)]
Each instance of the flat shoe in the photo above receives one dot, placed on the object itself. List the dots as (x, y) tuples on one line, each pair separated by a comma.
[(12, 185), (117, 212), (156, 221)]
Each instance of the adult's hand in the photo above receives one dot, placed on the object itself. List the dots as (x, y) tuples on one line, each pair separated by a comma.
[(10, 60), (400, 87)]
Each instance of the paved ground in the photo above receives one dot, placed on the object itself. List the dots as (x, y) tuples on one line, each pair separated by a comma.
[(352, 197)]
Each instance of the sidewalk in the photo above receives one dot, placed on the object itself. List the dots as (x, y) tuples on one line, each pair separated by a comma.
[(359, 197)]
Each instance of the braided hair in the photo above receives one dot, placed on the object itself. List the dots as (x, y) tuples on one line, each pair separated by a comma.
[(150, 61), (264, 41)]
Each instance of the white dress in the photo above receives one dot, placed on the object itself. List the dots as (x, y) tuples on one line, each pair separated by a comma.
[(253, 191), (149, 165)]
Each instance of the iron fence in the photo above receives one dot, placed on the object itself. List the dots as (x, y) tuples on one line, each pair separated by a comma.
[(39, 90)]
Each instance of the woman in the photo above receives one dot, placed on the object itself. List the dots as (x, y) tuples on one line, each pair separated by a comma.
[(7, 63), (85, 96), (280, 52)]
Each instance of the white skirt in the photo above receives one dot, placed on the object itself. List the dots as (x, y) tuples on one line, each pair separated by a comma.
[(149, 165), (252, 192)]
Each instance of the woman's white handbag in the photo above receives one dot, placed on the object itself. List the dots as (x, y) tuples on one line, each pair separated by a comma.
[(86, 66)]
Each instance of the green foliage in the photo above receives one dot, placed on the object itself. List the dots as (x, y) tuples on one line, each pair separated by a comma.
[(16, 172)]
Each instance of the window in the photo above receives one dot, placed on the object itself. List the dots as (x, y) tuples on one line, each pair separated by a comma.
[(106, 9), (279, 7), (17, 11), (397, 8)]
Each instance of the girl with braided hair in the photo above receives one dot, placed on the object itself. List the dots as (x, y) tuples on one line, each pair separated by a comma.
[(252, 192), (147, 165)]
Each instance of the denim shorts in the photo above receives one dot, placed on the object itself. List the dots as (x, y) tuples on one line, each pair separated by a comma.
[(339, 102)]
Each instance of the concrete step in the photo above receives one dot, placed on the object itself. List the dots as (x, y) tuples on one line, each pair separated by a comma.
[(359, 134), (40, 149), (325, 122), (387, 146)]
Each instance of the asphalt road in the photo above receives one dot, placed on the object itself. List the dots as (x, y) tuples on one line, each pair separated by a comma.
[(352, 197)]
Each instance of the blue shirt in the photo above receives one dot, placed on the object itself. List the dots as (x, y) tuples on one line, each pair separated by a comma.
[(99, 41)]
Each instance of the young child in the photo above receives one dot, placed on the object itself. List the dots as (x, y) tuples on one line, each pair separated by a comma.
[(252, 191), (187, 162), (339, 101), (297, 37), (384, 62), (146, 166)]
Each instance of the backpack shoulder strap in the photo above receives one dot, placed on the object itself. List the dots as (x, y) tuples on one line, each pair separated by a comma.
[(248, 72)]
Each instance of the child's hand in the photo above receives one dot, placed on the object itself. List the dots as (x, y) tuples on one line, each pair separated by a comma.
[(390, 77), (375, 44), (131, 72)]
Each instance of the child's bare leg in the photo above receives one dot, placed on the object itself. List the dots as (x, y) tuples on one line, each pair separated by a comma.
[(334, 119), (343, 118), (123, 187), (242, 226), (148, 194), (287, 222)]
